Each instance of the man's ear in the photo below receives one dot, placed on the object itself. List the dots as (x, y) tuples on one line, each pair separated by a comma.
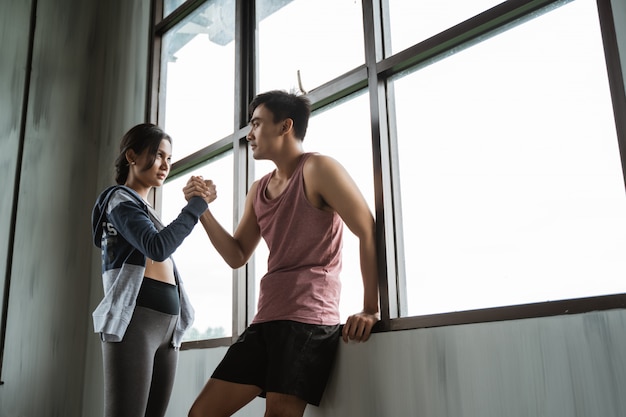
[(287, 125)]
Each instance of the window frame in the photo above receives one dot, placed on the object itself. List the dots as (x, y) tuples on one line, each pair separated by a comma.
[(379, 67)]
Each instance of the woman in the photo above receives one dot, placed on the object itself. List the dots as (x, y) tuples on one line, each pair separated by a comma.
[(145, 310)]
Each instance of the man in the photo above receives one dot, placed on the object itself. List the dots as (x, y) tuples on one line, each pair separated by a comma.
[(287, 352)]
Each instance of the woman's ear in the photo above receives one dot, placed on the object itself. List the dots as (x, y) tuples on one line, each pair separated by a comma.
[(131, 156)]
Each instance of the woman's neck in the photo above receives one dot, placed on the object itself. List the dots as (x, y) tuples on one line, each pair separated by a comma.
[(142, 191)]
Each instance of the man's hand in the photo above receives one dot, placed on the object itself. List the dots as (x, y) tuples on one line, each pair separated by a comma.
[(359, 326), (197, 186)]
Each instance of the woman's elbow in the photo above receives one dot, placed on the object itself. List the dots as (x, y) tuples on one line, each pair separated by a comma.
[(158, 253), (158, 256)]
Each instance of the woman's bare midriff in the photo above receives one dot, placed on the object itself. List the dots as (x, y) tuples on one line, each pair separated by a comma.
[(160, 271)]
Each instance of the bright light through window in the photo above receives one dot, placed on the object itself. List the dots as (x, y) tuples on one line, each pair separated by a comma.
[(322, 39), (198, 77), (512, 188), (413, 21), (207, 278)]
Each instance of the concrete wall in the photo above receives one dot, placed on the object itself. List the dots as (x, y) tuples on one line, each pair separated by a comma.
[(87, 87), (14, 39)]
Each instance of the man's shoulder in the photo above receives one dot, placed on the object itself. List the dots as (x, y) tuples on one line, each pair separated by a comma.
[(318, 161), (321, 175), (321, 166)]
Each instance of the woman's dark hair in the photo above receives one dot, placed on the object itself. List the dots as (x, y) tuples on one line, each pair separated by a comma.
[(145, 136), (284, 105)]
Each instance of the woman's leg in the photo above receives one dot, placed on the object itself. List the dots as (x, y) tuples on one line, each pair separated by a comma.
[(164, 371), (129, 365), (127, 374)]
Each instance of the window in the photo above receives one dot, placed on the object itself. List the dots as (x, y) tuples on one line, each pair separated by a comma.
[(482, 134), (291, 41), (414, 21), (196, 98), (170, 5), (206, 277), (509, 152), (197, 66)]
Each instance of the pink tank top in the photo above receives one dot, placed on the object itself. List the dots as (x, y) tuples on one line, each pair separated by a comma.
[(302, 280)]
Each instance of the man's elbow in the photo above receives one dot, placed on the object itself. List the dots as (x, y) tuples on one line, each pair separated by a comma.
[(235, 265), (235, 262)]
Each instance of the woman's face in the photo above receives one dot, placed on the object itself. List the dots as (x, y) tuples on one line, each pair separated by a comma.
[(154, 175)]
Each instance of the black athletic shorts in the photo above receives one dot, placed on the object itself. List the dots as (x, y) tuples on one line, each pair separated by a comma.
[(283, 356)]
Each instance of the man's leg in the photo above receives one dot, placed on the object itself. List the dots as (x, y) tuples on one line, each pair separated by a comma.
[(283, 405), (222, 398)]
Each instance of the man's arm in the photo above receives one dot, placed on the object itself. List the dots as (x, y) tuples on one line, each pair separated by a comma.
[(330, 186), (238, 248)]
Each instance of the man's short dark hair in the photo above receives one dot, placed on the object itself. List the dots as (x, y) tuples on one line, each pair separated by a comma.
[(284, 105)]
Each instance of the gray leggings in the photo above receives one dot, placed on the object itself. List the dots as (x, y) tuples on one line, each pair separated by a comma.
[(139, 371)]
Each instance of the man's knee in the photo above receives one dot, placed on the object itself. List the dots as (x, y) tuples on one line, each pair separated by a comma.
[(283, 405)]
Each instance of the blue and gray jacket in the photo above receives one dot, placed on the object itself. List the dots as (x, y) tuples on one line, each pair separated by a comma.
[(127, 230)]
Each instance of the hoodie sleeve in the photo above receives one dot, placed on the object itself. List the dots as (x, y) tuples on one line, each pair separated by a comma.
[(132, 221)]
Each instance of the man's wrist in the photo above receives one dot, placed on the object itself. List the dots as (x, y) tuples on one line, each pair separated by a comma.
[(372, 312)]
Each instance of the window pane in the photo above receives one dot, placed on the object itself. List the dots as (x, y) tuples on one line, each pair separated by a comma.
[(208, 279), (510, 174), (170, 5), (322, 39), (331, 134), (197, 78), (414, 21)]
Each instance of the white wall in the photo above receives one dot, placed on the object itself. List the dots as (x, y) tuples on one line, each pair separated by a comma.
[(549, 367)]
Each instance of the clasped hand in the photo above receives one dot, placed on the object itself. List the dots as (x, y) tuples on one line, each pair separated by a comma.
[(199, 187)]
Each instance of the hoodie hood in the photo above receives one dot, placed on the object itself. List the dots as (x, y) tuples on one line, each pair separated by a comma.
[(98, 214)]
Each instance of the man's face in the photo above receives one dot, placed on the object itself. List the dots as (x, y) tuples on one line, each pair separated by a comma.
[(263, 133)]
